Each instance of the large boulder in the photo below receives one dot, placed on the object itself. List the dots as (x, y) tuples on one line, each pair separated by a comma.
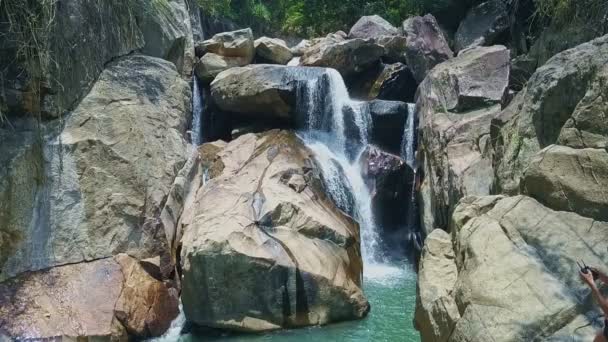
[(456, 104), (567, 89), (587, 126), (237, 43), (212, 64), (388, 123), (67, 53), (266, 248), (93, 186), (436, 310), (167, 32), (393, 82), (267, 91), (570, 179), (483, 24), (425, 45), (110, 298), (346, 56), (372, 26), (525, 287), (390, 181), (272, 50), (299, 49)]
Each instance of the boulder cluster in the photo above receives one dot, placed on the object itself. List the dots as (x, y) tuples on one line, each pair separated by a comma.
[(109, 216)]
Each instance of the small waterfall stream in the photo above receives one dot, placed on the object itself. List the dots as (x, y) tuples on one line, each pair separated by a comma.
[(196, 136), (408, 153), (408, 143)]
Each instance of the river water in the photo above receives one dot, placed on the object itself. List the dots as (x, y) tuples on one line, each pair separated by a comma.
[(391, 291)]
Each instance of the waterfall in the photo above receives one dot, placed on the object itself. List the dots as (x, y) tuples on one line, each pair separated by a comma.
[(337, 132), (197, 113), (408, 153), (408, 143)]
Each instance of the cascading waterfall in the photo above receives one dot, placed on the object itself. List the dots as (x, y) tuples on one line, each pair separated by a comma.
[(337, 131), (197, 113)]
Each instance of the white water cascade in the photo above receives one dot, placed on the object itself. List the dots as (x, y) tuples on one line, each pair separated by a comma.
[(197, 113), (408, 143), (337, 131)]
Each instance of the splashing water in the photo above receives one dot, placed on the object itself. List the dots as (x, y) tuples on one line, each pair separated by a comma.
[(352, 196), (337, 132), (175, 330)]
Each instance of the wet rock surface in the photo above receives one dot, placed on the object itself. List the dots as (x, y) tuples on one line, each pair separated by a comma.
[(269, 225)]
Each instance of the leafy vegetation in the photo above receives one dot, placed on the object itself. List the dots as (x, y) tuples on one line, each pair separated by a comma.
[(311, 17), (28, 24), (564, 12)]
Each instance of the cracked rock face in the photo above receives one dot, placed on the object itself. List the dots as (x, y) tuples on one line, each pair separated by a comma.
[(570, 179), (265, 247), (94, 186), (105, 299), (515, 273), (564, 102), (457, 102)]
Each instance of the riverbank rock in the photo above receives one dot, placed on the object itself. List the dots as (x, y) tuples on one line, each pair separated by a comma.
[(263, 91), (525, 287), (224, 51), (299, 49), (457, 102), (395, 83), (570, 179), (436, 310), (425, 45), (272, 50), (568, 88), (76, 48), (346, 56), (390, 181), (483, 24), (587, 128), (212, 64), (167, 32), (94, 186), (237, 43), (267, 248), (109, 298), (388, 123), (372, 26)]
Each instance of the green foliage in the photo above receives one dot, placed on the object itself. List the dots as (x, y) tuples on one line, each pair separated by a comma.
[(564, 12), (29, 23), (309, 17)]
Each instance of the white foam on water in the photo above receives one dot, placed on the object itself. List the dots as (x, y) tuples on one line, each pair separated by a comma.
[(386, 274), (338, 154)]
